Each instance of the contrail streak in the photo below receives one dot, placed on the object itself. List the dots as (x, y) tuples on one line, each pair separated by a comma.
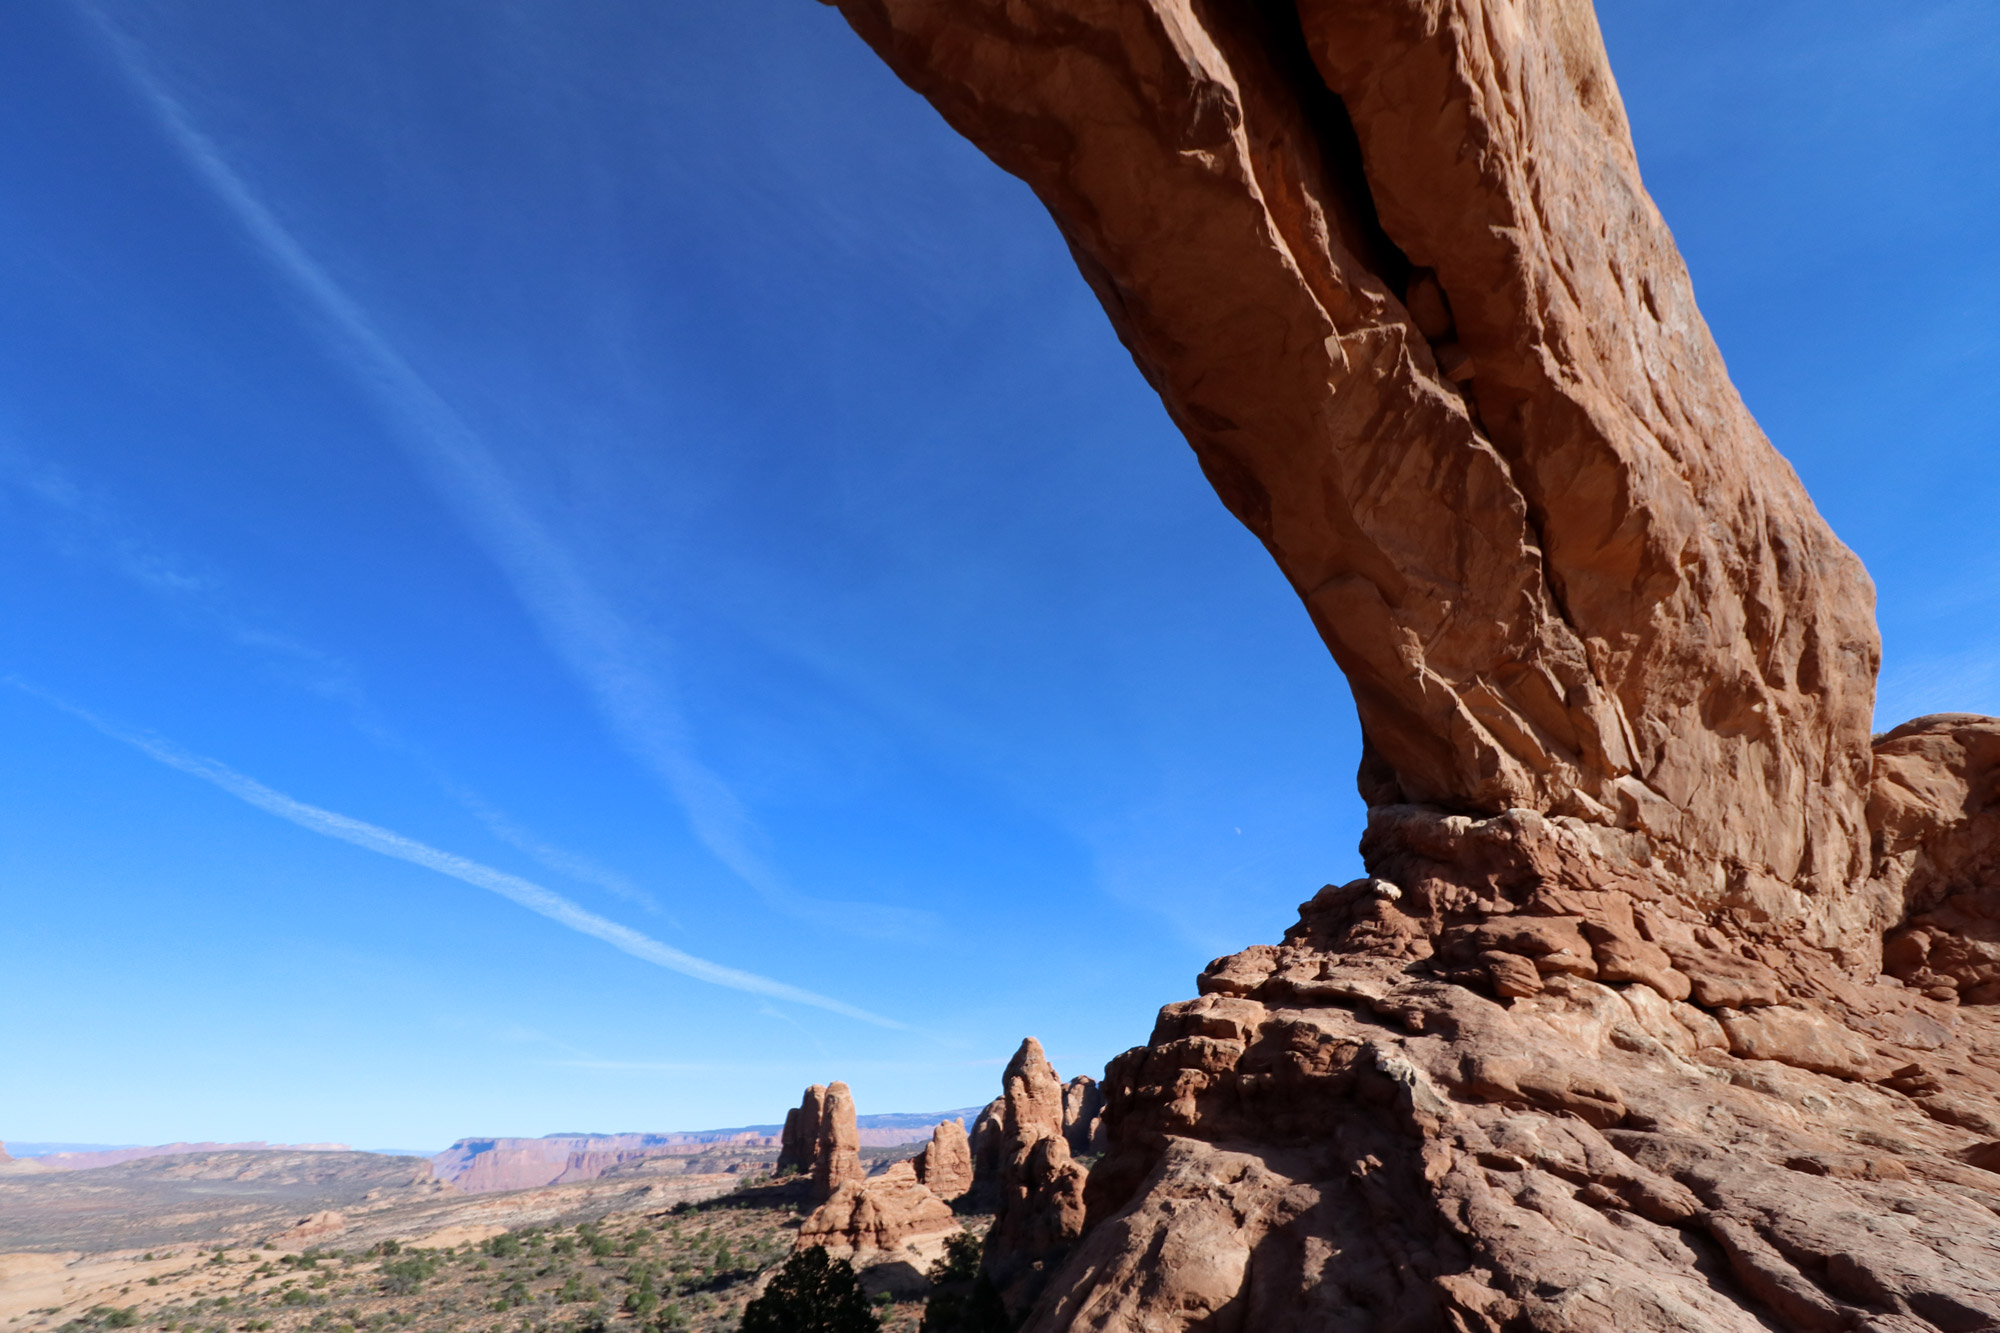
[(385, 842), (598, 645)]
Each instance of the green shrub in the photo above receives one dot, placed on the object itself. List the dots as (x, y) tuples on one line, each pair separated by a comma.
[(812, 1293), (504, 1246), (403, 1276), (963, 1299)]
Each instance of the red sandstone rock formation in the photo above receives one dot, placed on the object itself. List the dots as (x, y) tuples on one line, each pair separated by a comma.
[(799, 1142), (879, 1217), (1040, 1206), (1605, 1040), (1935, 809), (836, 1155), (896, 1220), (1083, 1116), (945, 1164), (478, 1166), (986, 1139)]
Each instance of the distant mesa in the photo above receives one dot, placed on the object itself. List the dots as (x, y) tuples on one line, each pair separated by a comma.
[(489, 1164), (101, 1157), (486, 1165)]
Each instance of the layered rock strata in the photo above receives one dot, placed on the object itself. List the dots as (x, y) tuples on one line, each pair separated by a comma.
[(1605, 1039), (1333, 1137)]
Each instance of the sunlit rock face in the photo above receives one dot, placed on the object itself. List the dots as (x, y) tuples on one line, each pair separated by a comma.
[(1605, 1040)]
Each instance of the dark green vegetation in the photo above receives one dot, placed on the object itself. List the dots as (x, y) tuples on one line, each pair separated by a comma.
[(812, 1294), (963, 1299)]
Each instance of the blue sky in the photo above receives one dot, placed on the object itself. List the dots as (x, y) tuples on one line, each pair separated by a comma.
[(582, 567)]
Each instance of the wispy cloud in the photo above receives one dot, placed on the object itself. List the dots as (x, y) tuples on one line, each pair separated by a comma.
[(92, 528), (576, 866), (601, 647), (385, 842)]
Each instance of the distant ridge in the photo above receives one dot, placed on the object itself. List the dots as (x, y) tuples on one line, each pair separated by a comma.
[(27, 1162), (481, 1164)]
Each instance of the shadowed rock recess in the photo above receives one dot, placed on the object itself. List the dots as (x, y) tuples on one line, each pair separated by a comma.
[(1606, 1039)]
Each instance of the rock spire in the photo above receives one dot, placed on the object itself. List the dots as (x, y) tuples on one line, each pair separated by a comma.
[(945, 1165)]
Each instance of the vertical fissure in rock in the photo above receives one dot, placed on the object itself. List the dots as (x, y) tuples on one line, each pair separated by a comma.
[(1326, 116)]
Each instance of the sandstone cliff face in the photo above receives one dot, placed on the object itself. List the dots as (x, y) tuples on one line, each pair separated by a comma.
[(1605, 1040), (986, 1139), (478, 1166)]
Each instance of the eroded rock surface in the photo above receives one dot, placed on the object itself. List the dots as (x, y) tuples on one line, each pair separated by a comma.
[(1039, 1210), (1390, 266), (892, 1225), (1605, 1040), (945, 1164), (798, 1144), (1083, 1116), (883, 1214), (1334, 1137), (837, 1151), (1935, 807)]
